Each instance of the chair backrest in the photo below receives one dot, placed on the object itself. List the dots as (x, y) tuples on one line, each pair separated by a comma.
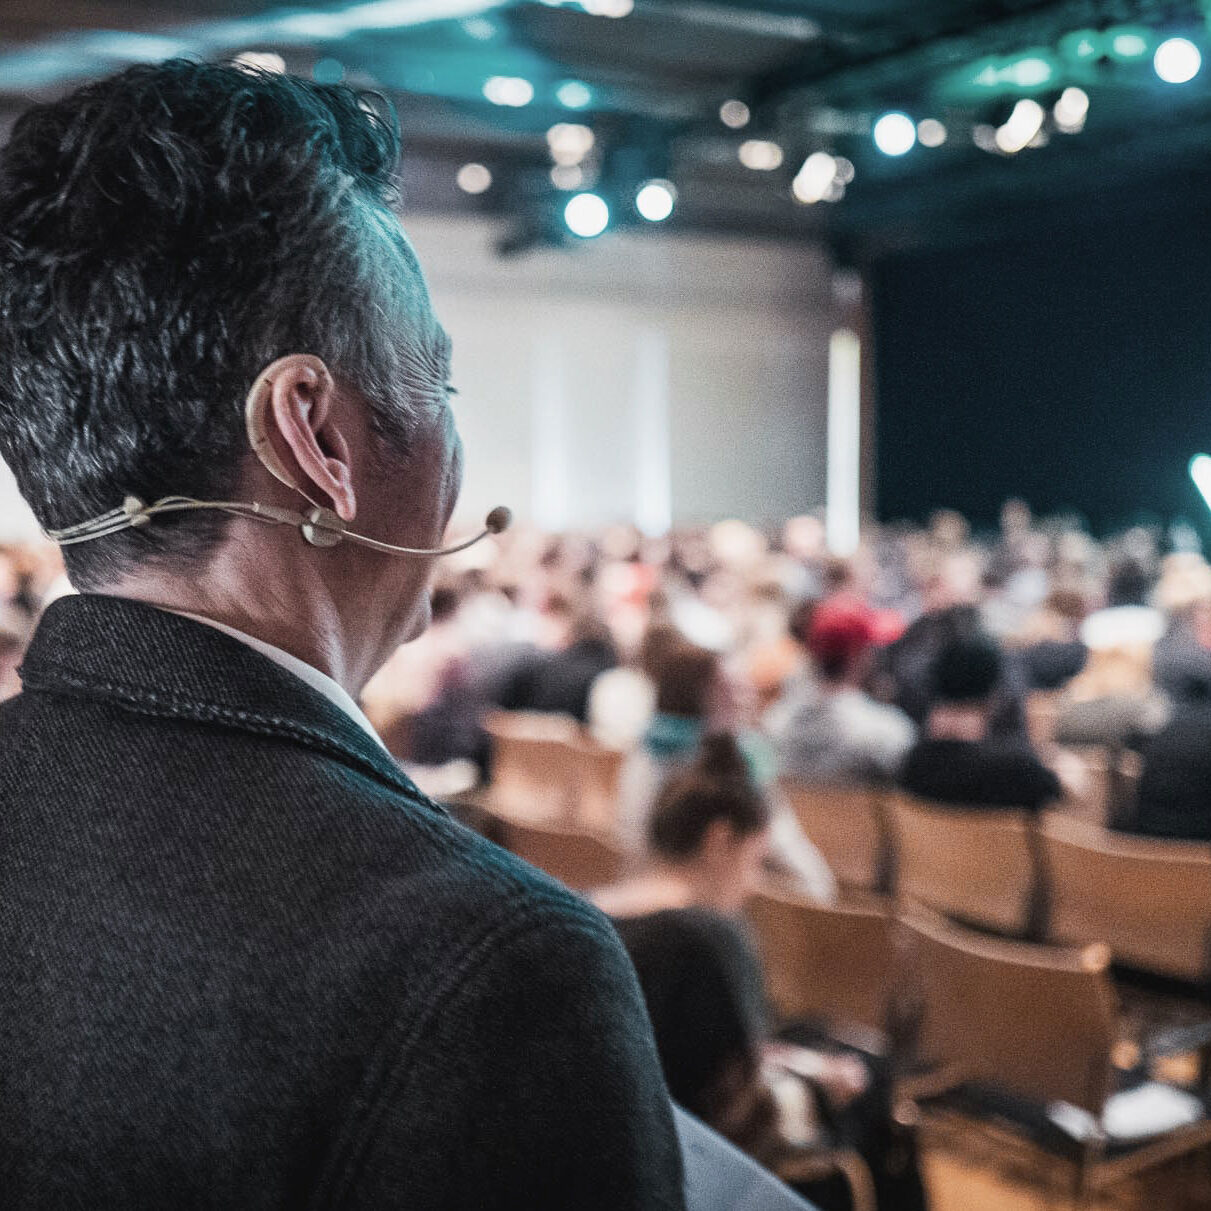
[(1097, 764), (977, 865), (1034, 1021), (848, 826), (532, 778), (1148, 900), (830, 963), (579, 860), (595, 771)]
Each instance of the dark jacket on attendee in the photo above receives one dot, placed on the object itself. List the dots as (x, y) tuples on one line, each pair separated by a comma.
[(559, 682), (1174, 793), (244, 963), (983, 773)]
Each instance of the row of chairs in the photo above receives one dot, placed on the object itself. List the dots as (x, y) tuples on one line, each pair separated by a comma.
[(1050, 876), (546, 769), (1038, 1022), (1036, 1025)]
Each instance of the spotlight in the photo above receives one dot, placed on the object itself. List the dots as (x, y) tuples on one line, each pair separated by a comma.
[(572, 94), (894, 134), (655, 200), (1071, 110), (931, 132), (567, 177), (569, 142), (474, 178), (513, 91), (815, 179), (734, 114), (1177, 60), (586, 215), (608, 8), (760, 155), (1021, 127), (1200, 472)]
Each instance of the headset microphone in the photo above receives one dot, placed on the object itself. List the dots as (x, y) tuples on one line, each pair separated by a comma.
[(319, 526)]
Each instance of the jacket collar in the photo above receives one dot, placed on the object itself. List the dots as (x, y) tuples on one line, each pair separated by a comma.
[(157, 663)]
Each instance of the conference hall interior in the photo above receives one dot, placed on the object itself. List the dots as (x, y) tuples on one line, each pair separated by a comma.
[(843, 368)]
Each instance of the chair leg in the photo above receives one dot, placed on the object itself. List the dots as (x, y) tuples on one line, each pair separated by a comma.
[(1080, 1185)]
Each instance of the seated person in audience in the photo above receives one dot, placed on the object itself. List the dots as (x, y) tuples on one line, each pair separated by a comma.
[(693, 699), (558, 681), (622, 700), (1173, 798), (702, 981), (833, 732), (957, 761)]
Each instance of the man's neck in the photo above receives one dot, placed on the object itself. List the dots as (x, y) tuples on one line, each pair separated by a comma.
[(280, 598)]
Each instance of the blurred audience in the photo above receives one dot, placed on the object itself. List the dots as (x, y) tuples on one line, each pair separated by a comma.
[(702, 981), (827, 729), (695, 697), (958, 760)]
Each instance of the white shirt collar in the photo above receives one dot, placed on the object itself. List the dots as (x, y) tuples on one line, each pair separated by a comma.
[(321, 682)]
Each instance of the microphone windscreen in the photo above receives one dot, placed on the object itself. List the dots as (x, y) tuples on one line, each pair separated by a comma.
[(499, 520)]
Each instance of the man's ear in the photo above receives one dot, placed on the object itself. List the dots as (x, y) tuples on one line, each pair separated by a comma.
[(293, 430)]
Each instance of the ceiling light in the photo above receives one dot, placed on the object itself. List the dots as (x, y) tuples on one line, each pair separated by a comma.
[(931, 132), (760, 155), (814, 180), (567, 176), (509, 90), (1021, 127), (474, 178), (1031, 72), (1071, 110), (894, 134), (984, 136), (608, 8), (1129, 45), (573, 94), (734, 114), (586, 215), (655, 200), (1177, 60), (569, 142)]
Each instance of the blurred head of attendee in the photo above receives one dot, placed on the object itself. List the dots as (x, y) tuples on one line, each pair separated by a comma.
[(840, 641), (963, 680), (687, 681), (169, 233), (658, 640), (711, 826), (1130, 583)]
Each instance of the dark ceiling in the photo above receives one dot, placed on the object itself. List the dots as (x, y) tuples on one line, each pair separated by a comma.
[(814, 76)]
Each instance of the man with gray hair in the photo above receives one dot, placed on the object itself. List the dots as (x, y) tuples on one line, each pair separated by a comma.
[(243, 961)]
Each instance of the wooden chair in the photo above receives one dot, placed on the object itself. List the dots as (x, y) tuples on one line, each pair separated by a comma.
[(831, 965), (1148, 900), (849, 828), (594, 772), (1035, 1024), (532, 776), (978, 866), (580, 860)]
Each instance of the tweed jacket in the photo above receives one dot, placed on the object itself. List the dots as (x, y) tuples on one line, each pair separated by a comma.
[(244, 963)]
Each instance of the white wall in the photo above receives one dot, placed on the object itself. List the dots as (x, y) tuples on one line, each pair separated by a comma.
[(635, 375), (631, 378)]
